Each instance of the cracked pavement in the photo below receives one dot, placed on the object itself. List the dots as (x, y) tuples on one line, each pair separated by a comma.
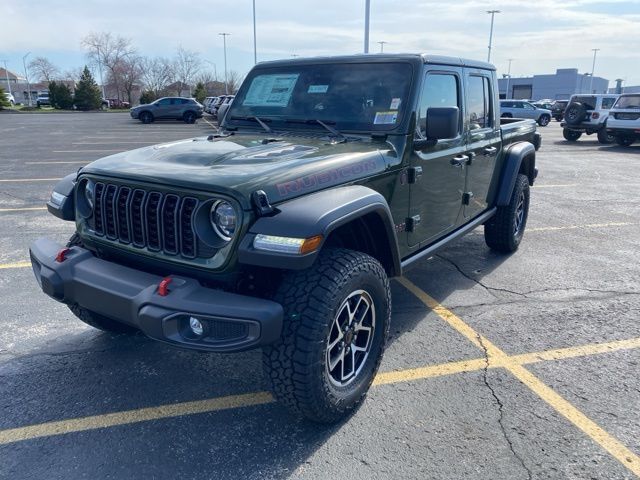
[(563, 288)]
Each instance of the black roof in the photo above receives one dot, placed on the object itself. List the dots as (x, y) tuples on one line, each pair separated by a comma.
[(385, 57)]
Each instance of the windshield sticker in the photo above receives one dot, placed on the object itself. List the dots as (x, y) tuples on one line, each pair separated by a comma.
[(271, 90), (395, 103), (318, 88), (385, 118)]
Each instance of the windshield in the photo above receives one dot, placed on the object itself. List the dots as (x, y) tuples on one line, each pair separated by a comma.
[(632, 101), (352, 97)]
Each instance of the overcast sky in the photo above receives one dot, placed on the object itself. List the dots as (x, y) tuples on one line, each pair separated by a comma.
[(540, 35)]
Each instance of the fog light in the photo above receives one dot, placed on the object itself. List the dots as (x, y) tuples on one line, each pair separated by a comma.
[(196, 326)]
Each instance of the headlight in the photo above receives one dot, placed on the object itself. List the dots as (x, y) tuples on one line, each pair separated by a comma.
[(85, 198), (89, 193), (224, 219)]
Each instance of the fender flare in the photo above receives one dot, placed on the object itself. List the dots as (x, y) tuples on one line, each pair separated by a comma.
[(516, 153), (61, 203), (320, 213)]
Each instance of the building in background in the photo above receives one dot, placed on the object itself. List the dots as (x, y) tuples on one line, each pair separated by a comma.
[(13, 79), (620, 88), (558, 86)]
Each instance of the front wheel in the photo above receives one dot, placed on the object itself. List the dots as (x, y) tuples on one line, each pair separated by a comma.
[(571, 135), (504, 231), (544, 120), (624, 141), (335, 329), (146, 117), (604, 137)]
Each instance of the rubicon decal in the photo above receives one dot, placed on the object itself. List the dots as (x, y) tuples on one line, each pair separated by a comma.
[(333, 175)]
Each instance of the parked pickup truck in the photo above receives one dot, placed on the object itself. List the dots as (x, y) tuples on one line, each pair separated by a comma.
[(281, 230)]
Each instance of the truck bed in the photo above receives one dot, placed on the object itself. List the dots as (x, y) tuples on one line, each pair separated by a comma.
[(519, 130)]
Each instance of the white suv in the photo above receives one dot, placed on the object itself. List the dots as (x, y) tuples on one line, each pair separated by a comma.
[(624, 119), (588, 114)]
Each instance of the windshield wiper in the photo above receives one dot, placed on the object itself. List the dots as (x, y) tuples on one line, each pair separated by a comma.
[(266, 127), (327, 127)]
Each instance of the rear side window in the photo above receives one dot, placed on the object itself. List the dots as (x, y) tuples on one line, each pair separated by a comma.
[(588, 102), (608, 102), (479, 103), (440, 90)]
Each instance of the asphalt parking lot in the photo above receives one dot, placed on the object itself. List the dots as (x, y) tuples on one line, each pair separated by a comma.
[(522, 366)]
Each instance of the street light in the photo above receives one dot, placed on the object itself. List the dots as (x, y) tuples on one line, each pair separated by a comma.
[(593, 67), (382, 46), (24, 64), (255, 49), (367, 11), (224, 40), (492, 13), (508, 78), (6, 74)]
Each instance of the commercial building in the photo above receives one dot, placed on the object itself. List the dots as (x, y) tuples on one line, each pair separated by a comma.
[(558, 86)]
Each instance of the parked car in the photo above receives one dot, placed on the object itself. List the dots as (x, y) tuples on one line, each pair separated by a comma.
[(245, 240), (522, 109), (214, 104), (172, 108), (224, 99), (117, 103), (207, 102), (545, 104), (623, 122), (588, 114), (223, 108), (10, 98), (43, 99)]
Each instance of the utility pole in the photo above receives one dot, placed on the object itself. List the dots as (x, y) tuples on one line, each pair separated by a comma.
[(6, 73), (593, 67), (226, 83), (492, 13), (255, 48), (367, 11), (26, 76), (382, 46), (508, 78)]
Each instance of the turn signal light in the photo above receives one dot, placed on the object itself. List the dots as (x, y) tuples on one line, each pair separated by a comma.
[(310, 244)]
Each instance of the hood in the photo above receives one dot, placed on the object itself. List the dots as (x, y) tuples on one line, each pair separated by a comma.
[(240, 164)]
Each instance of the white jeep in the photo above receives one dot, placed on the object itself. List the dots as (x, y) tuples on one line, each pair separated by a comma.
[(588, 114), (624, 119)]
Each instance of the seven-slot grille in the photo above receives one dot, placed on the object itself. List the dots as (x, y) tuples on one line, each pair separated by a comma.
[(160, 222)]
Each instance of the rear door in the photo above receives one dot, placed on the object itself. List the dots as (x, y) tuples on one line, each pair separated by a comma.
[(436, 193), (483, 139)]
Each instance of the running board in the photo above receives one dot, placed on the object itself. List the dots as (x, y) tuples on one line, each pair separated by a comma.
[(432, 249)]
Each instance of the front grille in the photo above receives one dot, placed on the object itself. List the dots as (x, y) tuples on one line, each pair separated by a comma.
[(626, 116), (156, 221)]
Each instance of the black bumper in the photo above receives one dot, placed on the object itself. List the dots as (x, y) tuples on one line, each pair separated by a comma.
[(231, 322)]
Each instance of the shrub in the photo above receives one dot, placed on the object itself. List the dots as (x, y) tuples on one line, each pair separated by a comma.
[(200, 92), (88, 96), (3, 99), (147, 97)]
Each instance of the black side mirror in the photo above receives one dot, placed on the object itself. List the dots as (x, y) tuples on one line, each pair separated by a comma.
[(442, 123)]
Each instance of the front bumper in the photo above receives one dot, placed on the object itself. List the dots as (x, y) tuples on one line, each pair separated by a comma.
[(232, 322), (134, 113)]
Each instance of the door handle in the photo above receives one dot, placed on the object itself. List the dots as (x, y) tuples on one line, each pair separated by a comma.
[(490, 151), (459, 161)]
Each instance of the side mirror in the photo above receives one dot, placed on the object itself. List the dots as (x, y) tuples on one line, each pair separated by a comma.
[(442, 123)]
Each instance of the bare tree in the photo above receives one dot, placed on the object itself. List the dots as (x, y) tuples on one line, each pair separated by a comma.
[(234, 79), (42, 69), (206, 77), (156, 73), (186, 64), (129, 73), (73, 74), (107, 51)]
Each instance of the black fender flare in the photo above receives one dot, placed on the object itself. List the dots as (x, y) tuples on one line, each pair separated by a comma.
[(319, 214), (62, 205), (514, 156)]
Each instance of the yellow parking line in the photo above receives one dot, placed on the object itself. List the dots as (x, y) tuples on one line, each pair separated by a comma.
[(575, 227), (211, 124), (15, 265), (9, 180), (572, 352), (21, 209), (607, 441)]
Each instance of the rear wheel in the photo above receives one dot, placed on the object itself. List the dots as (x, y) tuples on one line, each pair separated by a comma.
[(571, 135), (504, 231), (146, 117), (624, 141), (189, 117), (604, 137), (544, 120), (335, 329)]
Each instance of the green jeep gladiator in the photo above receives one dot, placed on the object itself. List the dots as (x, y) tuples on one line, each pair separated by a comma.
[(327, 177)]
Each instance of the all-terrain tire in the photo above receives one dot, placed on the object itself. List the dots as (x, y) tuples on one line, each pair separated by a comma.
[(296, 366), (575, 113), (504, 231), (92, 318), (624, 141), (571, 135), (604, 137)]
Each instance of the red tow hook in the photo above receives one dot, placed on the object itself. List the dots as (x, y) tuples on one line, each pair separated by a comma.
[(62, 255), (163, 286)]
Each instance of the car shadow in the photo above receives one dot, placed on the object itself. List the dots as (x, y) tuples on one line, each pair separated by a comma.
[(115, 373)]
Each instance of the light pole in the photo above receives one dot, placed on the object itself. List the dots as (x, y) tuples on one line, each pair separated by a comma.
[(367, 11), (382, 46), (255, 49), (508, 79), (492, 13), (6, 74), (593, 67), (224, 40), (26, 76)]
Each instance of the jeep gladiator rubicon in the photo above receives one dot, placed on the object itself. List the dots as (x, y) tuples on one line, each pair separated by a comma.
[(327, 177)]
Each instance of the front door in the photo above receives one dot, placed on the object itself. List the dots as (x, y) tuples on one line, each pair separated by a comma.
[(483, 139), (439, 170)]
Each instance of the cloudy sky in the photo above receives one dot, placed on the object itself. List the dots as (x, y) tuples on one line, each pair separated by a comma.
[(540, 35)]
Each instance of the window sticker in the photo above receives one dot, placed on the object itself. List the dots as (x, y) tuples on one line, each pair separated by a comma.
[(271, 90), (395, 103), (318, 88), (385, 118)]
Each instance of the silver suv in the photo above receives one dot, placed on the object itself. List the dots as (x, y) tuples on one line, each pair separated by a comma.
[(588, 114), (522, 109), (624, 120), (172, 108)]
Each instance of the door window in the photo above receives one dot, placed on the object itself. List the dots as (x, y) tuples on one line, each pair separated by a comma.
[(478, 103), (439, 90), (164, 102), (608, 102)]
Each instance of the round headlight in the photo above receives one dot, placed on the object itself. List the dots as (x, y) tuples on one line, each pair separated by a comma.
[(89, 193), (85, 198), (224, 219)]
